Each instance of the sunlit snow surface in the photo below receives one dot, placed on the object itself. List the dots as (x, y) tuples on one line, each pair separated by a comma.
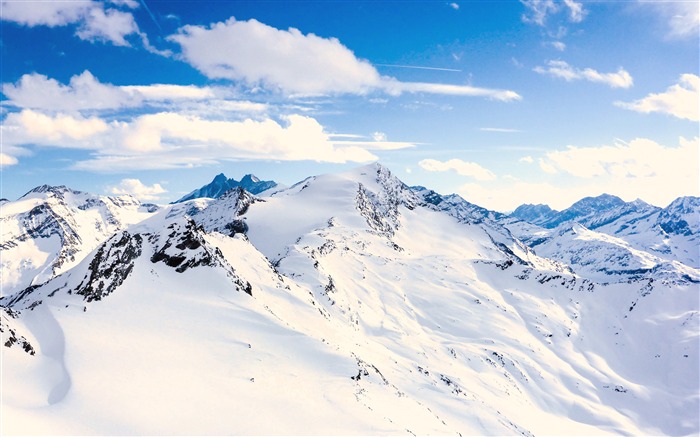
[(351, 307)]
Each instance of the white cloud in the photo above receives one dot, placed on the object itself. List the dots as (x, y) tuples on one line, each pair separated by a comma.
[(547, 167), (463, 168), (641, 169), (133, 4), (165, 92), (454, 6), (108, 26), (172, 140), (561, 69), (259, 54), (558, 45), (136, 188), (539, 10), (293, 63), (681, 18), (639, 159), (576, 11), (528, 159), (30, 13), (31, 127), (395, 87), (95, 23), (680, 100), (7, 160), (85, 91), (379, 136)]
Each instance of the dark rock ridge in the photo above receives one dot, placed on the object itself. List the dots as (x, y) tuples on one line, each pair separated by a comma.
[(221, 184)]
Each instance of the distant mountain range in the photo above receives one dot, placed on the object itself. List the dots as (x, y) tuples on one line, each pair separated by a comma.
[(348, 303), (221, 184)]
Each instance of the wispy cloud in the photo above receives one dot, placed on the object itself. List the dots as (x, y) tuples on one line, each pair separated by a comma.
[(454, 6), (464, 168), (680, 100), (561, 69), (681, 18), (557, 45), (396, 87), (539, 10)]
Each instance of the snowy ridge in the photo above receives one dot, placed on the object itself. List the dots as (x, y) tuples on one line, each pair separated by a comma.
[(671, 234), (350, 305), (50, 229)]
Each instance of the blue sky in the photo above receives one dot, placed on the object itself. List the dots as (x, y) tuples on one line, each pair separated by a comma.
[(502, 102)]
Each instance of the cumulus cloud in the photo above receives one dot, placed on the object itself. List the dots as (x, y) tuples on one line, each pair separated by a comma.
[(256, 53), (528, 159), (107, 26), (136, 188), (539, 10), (83, 91), (680, 100), (561, 69), (32, 127), (294, 63), (470, 169), (173, 140), (95, 23)]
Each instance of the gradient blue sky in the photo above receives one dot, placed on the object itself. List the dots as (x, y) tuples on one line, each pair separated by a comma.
[(502, 102)]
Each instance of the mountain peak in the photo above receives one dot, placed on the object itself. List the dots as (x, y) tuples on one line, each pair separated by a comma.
[(51, 190), (220, 178), (249, 179), (221, 184)]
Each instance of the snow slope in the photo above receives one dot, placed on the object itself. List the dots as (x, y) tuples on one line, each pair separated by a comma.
[(350, 306)]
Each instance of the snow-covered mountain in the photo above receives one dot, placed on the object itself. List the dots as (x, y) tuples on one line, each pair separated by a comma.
[(591, 212), (346, 304), (668, 234), (221, 184), (50, 229)]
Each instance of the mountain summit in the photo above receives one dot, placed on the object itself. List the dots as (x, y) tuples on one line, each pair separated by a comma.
[(221, 184)]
